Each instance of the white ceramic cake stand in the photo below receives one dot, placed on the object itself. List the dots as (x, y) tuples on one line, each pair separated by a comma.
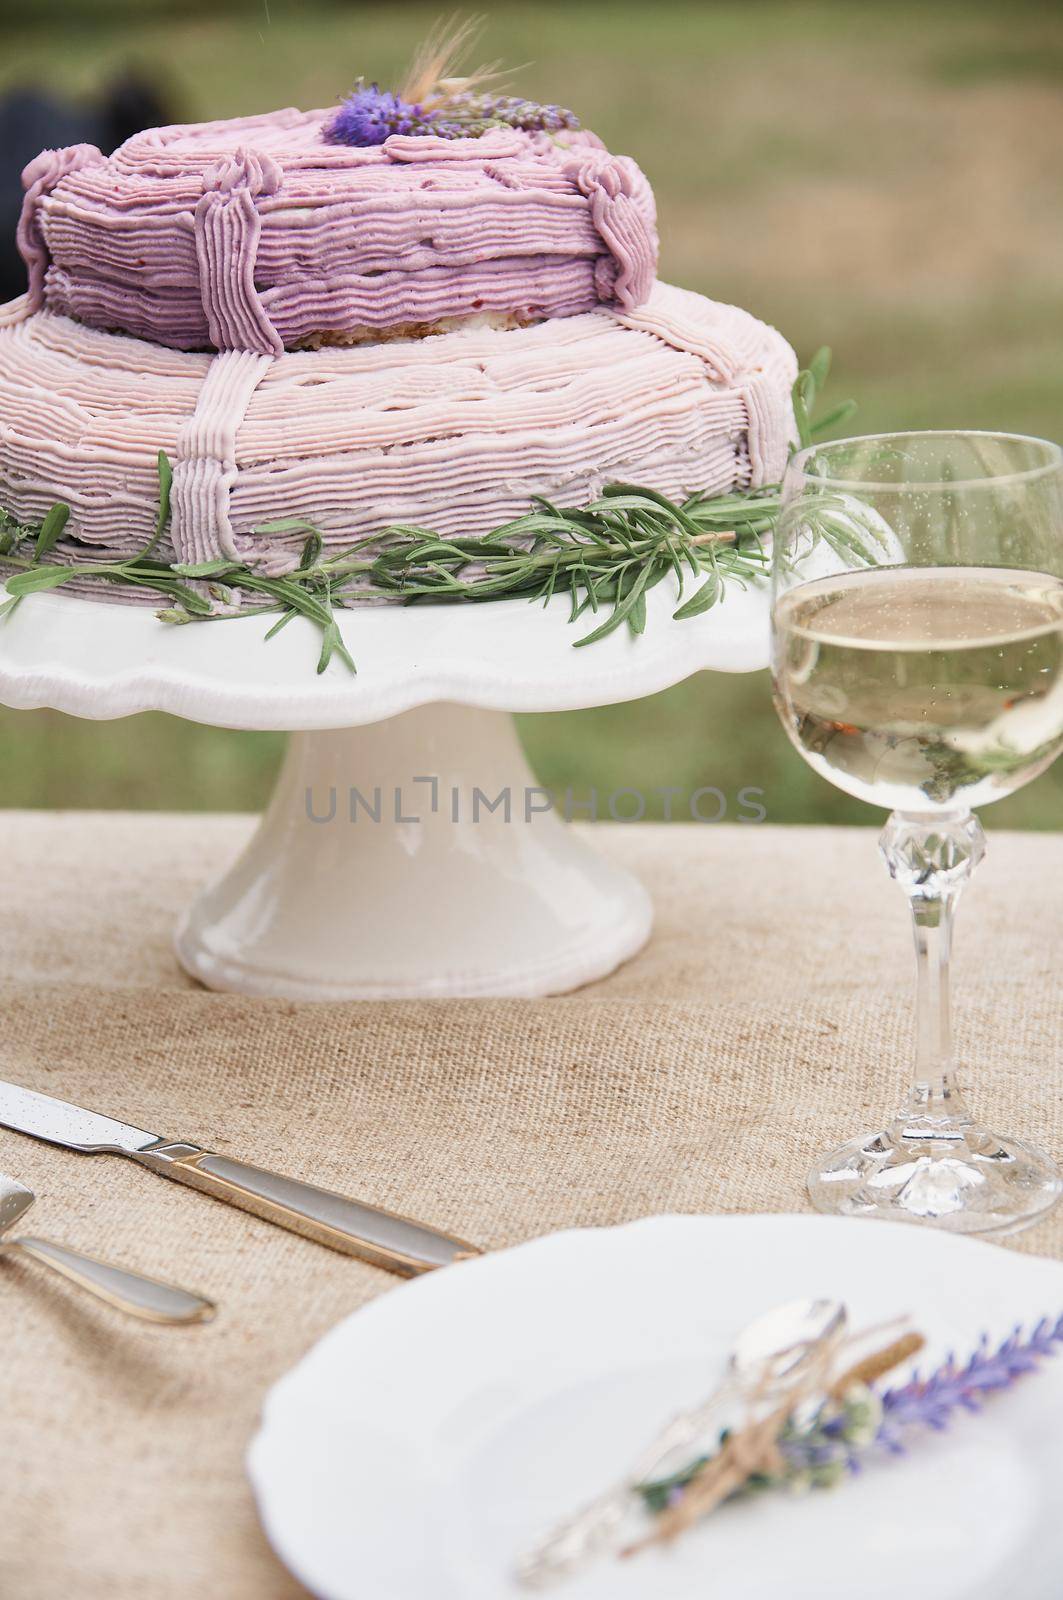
[(380, 868)]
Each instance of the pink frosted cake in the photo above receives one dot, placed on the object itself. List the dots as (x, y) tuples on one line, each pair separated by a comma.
[(456, 432), (425, 330), (259, 235)]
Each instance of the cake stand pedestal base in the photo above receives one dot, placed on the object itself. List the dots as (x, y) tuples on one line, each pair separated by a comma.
[(414, 856), (410, 855)]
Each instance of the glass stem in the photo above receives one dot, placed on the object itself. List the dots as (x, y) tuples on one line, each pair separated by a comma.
[(932, 858), (935, 1092)]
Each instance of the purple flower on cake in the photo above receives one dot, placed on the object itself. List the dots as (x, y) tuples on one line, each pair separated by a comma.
[(436, 99), (370, 115)]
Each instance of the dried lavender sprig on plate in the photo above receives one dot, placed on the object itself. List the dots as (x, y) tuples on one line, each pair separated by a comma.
[(931, 1402), (840, 1436)]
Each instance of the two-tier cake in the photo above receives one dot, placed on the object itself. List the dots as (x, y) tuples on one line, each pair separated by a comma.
[(429, 329)]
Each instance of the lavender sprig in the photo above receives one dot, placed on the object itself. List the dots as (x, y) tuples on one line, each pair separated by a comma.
[(834, 1443), (509, 111), (931, 1402), (371, 114)]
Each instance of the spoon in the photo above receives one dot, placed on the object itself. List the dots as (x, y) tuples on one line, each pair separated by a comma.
[(771, 1355), (128, 1291)]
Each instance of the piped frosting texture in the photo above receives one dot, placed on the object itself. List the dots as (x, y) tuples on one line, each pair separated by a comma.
[(456, 433), (256, 235)]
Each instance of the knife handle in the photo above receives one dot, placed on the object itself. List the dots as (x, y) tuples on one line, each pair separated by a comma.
[(117, 1286), (382, 1238)]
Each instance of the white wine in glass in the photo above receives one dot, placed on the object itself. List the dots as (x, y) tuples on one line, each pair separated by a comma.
[(918, 664), (909, 685)]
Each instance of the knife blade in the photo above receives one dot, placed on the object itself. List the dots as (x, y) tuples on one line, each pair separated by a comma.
[(383, 1238)]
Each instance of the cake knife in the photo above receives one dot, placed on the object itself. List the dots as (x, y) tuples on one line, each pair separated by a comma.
[(382, 1238)]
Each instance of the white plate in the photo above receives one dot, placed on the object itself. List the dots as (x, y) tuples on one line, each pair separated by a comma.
[(99, 660), (431, 1436)]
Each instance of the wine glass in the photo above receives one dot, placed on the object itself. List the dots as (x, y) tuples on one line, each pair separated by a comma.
[(917, 652)]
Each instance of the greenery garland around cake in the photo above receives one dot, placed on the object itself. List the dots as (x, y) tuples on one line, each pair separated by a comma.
[(605, 556)]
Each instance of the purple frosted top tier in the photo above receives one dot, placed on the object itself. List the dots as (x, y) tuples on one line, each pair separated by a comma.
[(256, 235)]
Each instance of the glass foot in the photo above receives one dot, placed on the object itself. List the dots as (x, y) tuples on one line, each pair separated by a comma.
[(969, 1181)]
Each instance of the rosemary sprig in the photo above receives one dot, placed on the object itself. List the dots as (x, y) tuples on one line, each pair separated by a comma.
[(606, 556)]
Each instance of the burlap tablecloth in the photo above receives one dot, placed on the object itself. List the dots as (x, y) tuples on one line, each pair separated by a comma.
[(768, 1017)]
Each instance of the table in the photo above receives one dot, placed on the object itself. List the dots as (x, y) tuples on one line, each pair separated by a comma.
[(767, 1018)]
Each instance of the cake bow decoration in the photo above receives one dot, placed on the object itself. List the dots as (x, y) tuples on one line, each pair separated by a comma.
[(39, 177), (626, 274)]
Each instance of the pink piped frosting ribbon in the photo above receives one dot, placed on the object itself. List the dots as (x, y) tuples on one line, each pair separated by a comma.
[(625, 275), (227, 232), (500, 144), (39, 178), (205, 468)]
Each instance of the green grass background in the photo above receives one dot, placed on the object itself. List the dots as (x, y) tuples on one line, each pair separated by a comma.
[(883, 178)]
